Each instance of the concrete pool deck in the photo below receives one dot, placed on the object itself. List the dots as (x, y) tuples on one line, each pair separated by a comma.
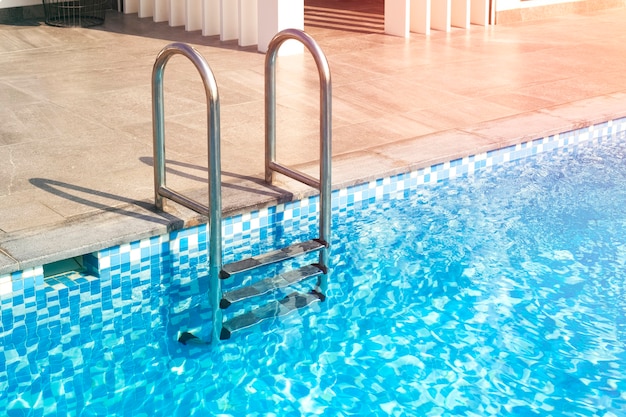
[(76, 130)]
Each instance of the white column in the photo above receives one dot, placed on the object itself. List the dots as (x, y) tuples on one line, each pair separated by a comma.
[(193, 15), (161, 11), (211, 17), (460, 16), (248, 22), (178, 12), (229, 20), (397, 17), (131, 6), (277, 15), (479, 12), (146, 8), (420, 16), (440, 15)]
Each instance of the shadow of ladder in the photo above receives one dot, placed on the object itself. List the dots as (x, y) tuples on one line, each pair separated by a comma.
[(217, 271)]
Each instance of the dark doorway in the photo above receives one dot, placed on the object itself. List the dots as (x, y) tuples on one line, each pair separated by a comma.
[(364, 16)]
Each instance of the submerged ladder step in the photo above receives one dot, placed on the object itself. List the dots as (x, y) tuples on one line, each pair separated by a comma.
[(269, 284), (273, 309), (288, 252)]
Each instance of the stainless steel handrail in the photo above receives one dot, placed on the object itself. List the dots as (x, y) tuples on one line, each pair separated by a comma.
[(214, 209), (323, 184)]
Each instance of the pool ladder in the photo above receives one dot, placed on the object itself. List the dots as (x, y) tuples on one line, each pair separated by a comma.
[(217, 270)]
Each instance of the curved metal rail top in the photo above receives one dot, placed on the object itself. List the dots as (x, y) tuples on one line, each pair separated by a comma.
[(158, 123), (270, 107), (214, 208)]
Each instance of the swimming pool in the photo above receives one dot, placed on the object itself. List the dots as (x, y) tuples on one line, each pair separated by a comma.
[(492, 285)]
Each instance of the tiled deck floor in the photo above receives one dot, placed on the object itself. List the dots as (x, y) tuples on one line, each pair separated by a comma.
[(75, 113)]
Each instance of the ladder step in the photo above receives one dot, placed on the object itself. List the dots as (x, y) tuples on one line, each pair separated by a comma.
[(291, 251), (270, 284), (273, 309)]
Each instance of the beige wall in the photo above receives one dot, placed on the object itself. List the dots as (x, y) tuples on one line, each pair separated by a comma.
[(4, 4), (510, 11), (502, 5)]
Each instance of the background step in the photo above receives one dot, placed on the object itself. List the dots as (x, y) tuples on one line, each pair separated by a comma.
[(269, 284), (273, 309), (288, 252)]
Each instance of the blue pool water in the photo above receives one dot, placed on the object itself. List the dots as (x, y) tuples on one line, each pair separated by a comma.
[(497, 293)]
